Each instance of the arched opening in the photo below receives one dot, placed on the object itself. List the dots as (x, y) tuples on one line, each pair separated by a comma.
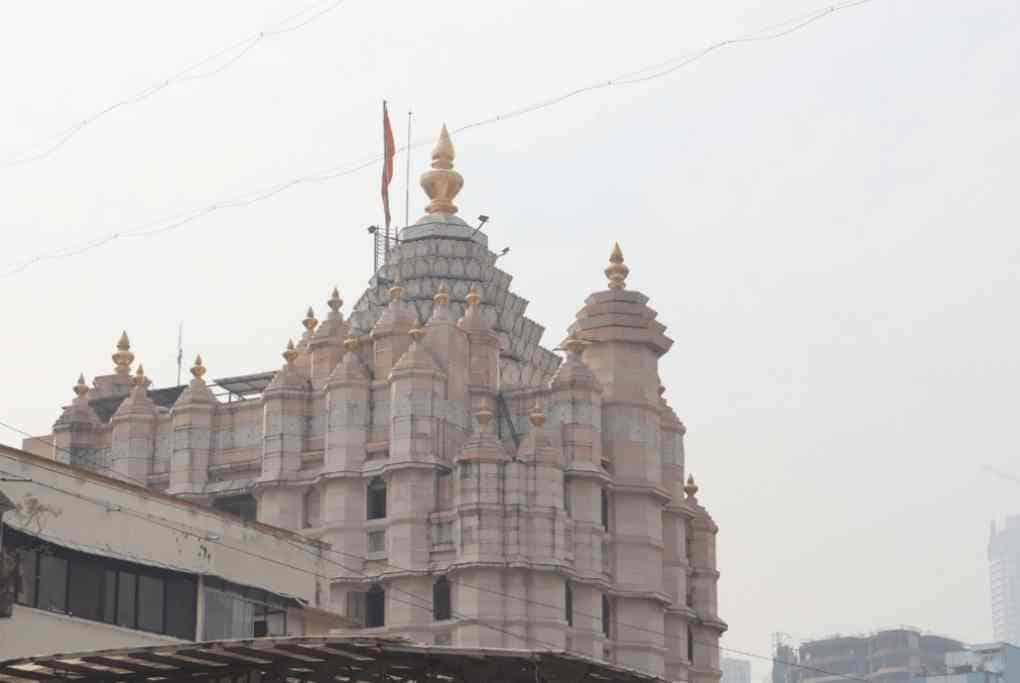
[(568, 603), (376, 498), (312, 507), (441, 599), (375, 607)]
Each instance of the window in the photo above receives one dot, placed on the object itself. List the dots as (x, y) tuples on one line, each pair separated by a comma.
[(376, 498), (312, 508), (127, 590), (233, 611), (377, 541), (86, 589), (150, 603), (375, 607), (244, 506), (566, 495), (52, 586), (468, 470), (442, 533), (605, 509), (441, 599), (568, 602), (104, 589), (606, 615)]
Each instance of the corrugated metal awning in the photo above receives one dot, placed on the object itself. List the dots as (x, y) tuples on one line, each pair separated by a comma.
[(326, 659)]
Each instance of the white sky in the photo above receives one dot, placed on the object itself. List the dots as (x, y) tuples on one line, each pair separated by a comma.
[(827, 223)]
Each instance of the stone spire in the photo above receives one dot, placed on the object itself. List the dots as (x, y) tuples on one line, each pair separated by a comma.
[(350, 368), (417, 357), (472, 321), (691, 489), (574, 372), (442, 183), (617, 271), (197, 391), (80, 388), (288, 375), (138, 401), (441, 305), (123, 358)]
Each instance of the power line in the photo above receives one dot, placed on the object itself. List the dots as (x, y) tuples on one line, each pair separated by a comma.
[(421, 603), (192, 72), (660, 70)]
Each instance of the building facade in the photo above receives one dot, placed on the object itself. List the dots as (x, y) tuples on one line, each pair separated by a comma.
[(102, 563), (986, 663), (735, 670), (474, 490), (889, 656), (1004, 576)]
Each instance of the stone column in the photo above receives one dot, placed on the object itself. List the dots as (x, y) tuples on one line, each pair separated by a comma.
[(706, 626), (133, 442), (285, 407), (192, 436), (75, 432), (624, 343)]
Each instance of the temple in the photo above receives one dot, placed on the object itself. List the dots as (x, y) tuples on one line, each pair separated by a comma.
[(475, 490)]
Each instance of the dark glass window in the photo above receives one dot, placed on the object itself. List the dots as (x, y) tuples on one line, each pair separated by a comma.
[(103, 589), (110, 596), (441, 599), (180, 607), (86, 589), (29, 569), (244, 506), (605, 509), (150, 603), (375, 607), (127, 585), (568, 602), (376, 498), (52, 582), (607, 615)]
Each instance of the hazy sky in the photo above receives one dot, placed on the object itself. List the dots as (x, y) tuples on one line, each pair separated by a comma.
[(827, 224)]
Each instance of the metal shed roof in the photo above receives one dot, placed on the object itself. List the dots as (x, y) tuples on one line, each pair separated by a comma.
[(322, 659)]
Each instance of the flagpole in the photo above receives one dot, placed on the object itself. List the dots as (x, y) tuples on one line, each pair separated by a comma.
[(407, 177)]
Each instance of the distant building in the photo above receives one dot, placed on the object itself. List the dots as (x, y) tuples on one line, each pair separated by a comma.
[(102, 563), (1004, 573), (735, 670), (991, 663), (890, 656)]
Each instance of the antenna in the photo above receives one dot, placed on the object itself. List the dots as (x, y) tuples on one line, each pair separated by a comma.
[(180, 350)]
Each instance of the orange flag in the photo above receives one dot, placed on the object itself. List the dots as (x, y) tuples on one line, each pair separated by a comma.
[(389, 149)]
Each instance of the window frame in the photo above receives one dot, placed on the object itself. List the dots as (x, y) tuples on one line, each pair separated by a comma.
[(376, 499), (26, 545)]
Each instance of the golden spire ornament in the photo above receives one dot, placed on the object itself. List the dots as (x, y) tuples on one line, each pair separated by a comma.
[(80, 389), (290, 354), (617, 271), (198, 370), (442, 183), (310, 321), (123, 358)]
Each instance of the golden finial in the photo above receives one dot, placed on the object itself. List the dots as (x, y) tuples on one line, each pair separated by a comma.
[(442, 183), (335, 302), (416, 334), (123, 358), (484, 415), (80, 389), (442, 296), (352, 344), (140, 378), (537, 415), (291, 353), (473, 297), (573, 345), (396, 292), (617, 271), (198, 370), (691, 489), (310, 322)]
